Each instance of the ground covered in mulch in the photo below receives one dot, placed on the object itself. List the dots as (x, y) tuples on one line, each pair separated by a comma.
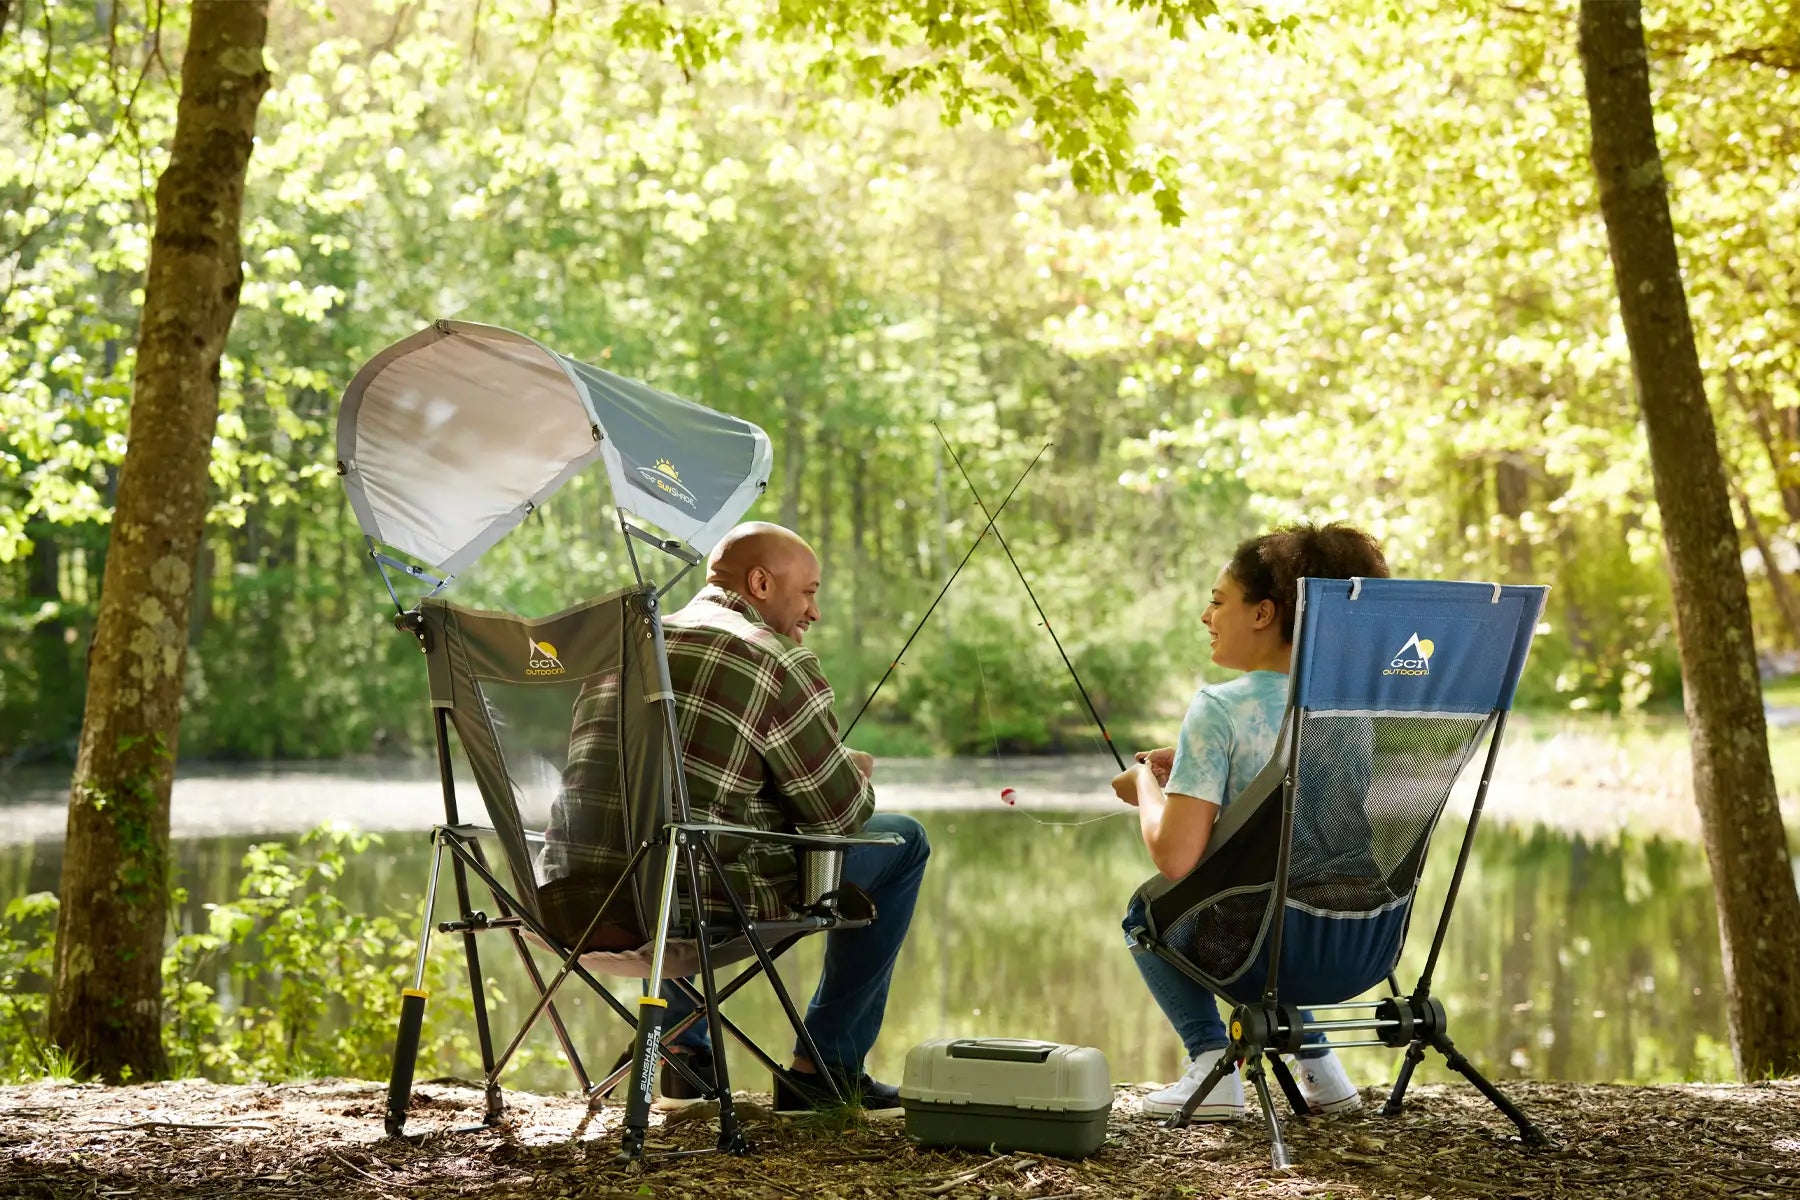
[(324, 1139)]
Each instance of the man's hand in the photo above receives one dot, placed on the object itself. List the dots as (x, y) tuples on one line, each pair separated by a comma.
[(1161, 760), (864, 762)]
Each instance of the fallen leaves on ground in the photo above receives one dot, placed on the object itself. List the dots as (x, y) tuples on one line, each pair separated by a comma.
[(324, 1139)]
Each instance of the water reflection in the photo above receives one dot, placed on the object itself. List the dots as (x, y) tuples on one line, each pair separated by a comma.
[(1566, 959)]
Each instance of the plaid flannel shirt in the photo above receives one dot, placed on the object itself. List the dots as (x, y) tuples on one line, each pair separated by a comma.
[(760, 748), (760, 745)]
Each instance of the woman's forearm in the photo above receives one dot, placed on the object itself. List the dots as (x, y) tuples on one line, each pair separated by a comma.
[(1176, 836)]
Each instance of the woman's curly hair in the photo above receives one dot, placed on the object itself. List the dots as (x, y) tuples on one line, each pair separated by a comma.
[(1271, 565)]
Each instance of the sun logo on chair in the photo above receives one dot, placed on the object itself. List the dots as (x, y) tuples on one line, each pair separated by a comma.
[(663, 477), (1414, 658), (543, 659)]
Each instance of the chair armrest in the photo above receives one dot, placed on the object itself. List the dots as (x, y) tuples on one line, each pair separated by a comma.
[(471, 833), (811, 841)]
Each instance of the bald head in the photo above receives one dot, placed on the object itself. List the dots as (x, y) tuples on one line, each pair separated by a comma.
[(774, 569)]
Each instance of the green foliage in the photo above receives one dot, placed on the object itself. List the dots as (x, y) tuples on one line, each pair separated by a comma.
[(1382, 304), (27, 952), (291, 979), (287, 980)]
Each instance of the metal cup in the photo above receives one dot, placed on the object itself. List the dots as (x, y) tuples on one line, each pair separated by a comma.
[(820, 871)]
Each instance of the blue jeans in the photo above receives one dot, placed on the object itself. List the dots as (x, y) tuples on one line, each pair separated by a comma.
[(844, 1017), (1191, 1009)]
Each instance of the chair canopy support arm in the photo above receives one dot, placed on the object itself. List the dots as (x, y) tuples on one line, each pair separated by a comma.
[(812, 841)]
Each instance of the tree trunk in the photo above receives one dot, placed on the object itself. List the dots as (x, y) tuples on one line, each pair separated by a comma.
[(1512, 496), (106, 997), (1759, 909)]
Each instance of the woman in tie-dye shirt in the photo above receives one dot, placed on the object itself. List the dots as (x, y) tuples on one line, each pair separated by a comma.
[(1228, 736)]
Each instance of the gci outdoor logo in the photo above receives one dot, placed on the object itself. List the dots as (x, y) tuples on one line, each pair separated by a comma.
[(1414, 658), (543, 659), (663, 476)]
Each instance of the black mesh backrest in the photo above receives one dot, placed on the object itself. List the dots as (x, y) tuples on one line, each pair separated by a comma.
[(1369, 790), (559, 719)]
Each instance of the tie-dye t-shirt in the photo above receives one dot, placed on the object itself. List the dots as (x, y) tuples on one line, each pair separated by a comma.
[(1228, 736)]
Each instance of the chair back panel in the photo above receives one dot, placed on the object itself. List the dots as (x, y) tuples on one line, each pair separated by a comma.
[(559, 720)]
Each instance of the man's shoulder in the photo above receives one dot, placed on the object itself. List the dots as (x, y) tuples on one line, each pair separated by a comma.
[(707, 625)]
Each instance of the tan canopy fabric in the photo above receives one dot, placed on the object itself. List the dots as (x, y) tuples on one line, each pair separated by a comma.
[(451, 437)]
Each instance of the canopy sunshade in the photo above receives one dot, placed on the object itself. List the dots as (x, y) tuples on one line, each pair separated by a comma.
[(448, 439)]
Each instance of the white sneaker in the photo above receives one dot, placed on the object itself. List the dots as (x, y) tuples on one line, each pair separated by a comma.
[(1324, 1086), (1224, 1103)]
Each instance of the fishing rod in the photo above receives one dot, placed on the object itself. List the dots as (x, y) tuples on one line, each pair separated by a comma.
[(999, 537), (959, 566)]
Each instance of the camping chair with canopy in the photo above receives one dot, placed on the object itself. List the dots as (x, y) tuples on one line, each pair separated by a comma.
[(1305, 893), (447, 440)]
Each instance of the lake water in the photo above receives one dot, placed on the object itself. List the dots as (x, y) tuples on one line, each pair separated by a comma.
[(1571, 956)]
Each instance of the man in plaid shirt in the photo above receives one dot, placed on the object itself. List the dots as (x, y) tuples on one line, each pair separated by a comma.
[(760, 747)]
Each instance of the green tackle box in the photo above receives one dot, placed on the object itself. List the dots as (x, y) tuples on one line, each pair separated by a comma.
[(1007, 1094)]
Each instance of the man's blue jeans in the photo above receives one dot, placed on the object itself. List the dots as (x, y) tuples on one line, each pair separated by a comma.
[(1191, 1009), (845, 1015)]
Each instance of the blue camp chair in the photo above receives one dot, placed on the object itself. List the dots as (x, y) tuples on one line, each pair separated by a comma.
[(1304, 895)]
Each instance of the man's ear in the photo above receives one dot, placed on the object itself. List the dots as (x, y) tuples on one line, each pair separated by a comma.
[(756, 583)]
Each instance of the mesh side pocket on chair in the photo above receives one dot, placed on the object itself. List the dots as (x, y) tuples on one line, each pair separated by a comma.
[(1221, 937)]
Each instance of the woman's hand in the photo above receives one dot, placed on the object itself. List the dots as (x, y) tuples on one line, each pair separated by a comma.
[(1124, 785), (1161, 761)]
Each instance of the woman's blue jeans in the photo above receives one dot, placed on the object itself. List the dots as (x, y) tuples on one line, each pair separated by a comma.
[(1191, 1009), (844, 1017)]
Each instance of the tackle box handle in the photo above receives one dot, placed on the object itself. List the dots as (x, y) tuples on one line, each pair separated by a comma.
[(1003, 1049)]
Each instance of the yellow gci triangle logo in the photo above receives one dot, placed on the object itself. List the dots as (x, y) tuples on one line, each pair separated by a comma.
[(1414, 658)]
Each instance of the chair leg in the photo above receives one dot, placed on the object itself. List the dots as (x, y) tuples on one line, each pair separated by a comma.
[(1415, 1053), (1228, 1062), (767, 963), (412, 1010), (1289, 1088), (1528, 1132), (644, 1045), (731, 1134), (652, 1008), (1278, 1154), (406, 1057), (483, 1035)]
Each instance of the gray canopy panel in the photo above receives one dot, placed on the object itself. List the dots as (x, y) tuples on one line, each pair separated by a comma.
[(448, 439)]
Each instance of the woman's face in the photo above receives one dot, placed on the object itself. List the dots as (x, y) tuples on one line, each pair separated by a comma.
[(1239, 629)]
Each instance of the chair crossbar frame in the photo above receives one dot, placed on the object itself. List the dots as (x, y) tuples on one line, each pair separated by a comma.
[(462, 842)]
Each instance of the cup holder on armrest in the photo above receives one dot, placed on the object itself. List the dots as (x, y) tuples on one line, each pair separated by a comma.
[(820, 873)]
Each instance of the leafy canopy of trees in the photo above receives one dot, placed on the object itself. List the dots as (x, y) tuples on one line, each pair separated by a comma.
[(1386, 302)]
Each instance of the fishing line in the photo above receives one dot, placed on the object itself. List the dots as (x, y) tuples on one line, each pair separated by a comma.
[(1044, 620), (845, 736), (1007, 794)]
